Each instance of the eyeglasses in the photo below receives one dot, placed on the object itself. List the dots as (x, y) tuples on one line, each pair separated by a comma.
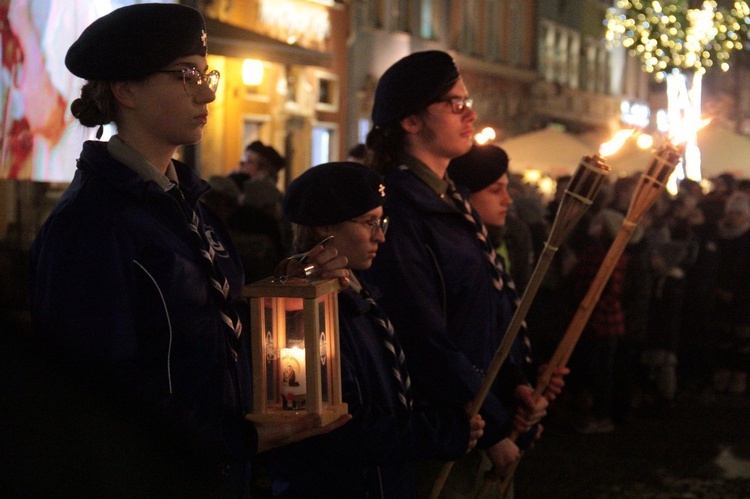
[(375, 224), (458, 104), (192, 79)]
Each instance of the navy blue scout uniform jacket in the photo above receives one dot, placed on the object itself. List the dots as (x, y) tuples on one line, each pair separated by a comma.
[(438, 291), (374, 454), (117, 290)]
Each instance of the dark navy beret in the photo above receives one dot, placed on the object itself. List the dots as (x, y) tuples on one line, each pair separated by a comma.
[(411, 84), (332, 193), (481, 166), (132, 42)]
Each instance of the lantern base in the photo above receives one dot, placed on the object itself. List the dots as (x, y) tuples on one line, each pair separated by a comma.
[(328, 415)]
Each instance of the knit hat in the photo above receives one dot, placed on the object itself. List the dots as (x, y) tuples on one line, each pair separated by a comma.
[(331, 193), (483, 165), (412, 84), (132, 42)]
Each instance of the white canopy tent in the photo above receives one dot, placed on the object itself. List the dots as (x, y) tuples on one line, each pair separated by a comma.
[(551, 150), (723, 151)]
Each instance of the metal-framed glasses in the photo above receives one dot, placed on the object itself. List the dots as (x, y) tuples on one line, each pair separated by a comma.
[(193, 80), (375, 224), (458, 104)]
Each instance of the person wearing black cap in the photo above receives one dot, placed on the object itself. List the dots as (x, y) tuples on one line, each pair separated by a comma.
[(258, 161), (483, 170), (374, 454), (136, 285), (441, 285), (262, 235)]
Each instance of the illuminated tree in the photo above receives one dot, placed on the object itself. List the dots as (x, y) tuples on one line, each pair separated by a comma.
[(673, 41)]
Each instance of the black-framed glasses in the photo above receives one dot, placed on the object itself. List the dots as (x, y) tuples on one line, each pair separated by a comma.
[(458, 104), (193, 80), (375, 224)]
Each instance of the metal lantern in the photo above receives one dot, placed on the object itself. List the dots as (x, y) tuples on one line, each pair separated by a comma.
[(295, 348)]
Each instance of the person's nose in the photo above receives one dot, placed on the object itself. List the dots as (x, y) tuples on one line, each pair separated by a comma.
[(205, 94)]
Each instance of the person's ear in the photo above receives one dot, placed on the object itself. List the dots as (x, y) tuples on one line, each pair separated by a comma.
[(412, 123), (123, 92)]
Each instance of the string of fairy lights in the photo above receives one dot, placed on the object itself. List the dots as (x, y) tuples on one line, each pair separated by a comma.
[(669, 35), (672, 40)]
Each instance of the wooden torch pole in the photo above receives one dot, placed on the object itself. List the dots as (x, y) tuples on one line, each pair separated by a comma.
[(583, 187), (651, 184)]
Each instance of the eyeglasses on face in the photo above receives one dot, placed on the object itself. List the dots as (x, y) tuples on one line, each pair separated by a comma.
[(458, 104), (375, 224), (193, 80)]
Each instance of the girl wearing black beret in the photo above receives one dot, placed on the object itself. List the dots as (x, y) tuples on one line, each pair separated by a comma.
[(135, 284), (375, 454)]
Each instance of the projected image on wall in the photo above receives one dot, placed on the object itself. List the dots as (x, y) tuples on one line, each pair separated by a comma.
[(39, 139)]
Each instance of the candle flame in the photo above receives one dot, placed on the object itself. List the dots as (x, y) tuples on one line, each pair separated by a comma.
[(613, 145)]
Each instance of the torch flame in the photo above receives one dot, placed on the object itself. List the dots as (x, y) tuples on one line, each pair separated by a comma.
[(614, 144), (687, 129)]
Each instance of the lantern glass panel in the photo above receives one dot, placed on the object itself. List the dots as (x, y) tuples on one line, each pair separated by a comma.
[(325, 352), (292, 370), (270, 343)]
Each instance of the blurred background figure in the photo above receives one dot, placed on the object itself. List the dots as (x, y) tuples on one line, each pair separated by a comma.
[(731, 319), (357, 154), (262, 235), (713, 203)]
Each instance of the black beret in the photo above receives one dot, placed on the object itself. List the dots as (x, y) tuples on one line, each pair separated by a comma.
[(332, 193), (132, 42), (481, 166), (270, 154), (411, 84)]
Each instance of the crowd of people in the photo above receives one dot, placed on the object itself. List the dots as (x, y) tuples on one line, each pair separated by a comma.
[(674, 314), (137, 278)]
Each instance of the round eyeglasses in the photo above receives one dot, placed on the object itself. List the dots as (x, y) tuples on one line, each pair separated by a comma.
[(193, 80), (375, 224), (458, 104)]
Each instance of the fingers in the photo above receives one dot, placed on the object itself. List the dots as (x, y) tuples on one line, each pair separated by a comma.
[(476, 427), (330, 265), (333, 264), (556, 383), (503, 454), (530, 411), (321, 255)]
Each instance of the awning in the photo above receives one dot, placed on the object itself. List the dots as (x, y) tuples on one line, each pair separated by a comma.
[(551, 150), (233, 41)]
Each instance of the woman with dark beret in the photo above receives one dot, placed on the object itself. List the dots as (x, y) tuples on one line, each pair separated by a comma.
[(135, 284), (375, 454)]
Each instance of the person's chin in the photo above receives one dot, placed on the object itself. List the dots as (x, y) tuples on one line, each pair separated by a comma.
[(364, 264)]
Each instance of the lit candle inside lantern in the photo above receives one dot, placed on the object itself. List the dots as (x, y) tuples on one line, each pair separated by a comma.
[(293, 381)]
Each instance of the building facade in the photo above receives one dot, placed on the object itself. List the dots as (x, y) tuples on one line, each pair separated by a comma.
[(526, 63), (284, 68)]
